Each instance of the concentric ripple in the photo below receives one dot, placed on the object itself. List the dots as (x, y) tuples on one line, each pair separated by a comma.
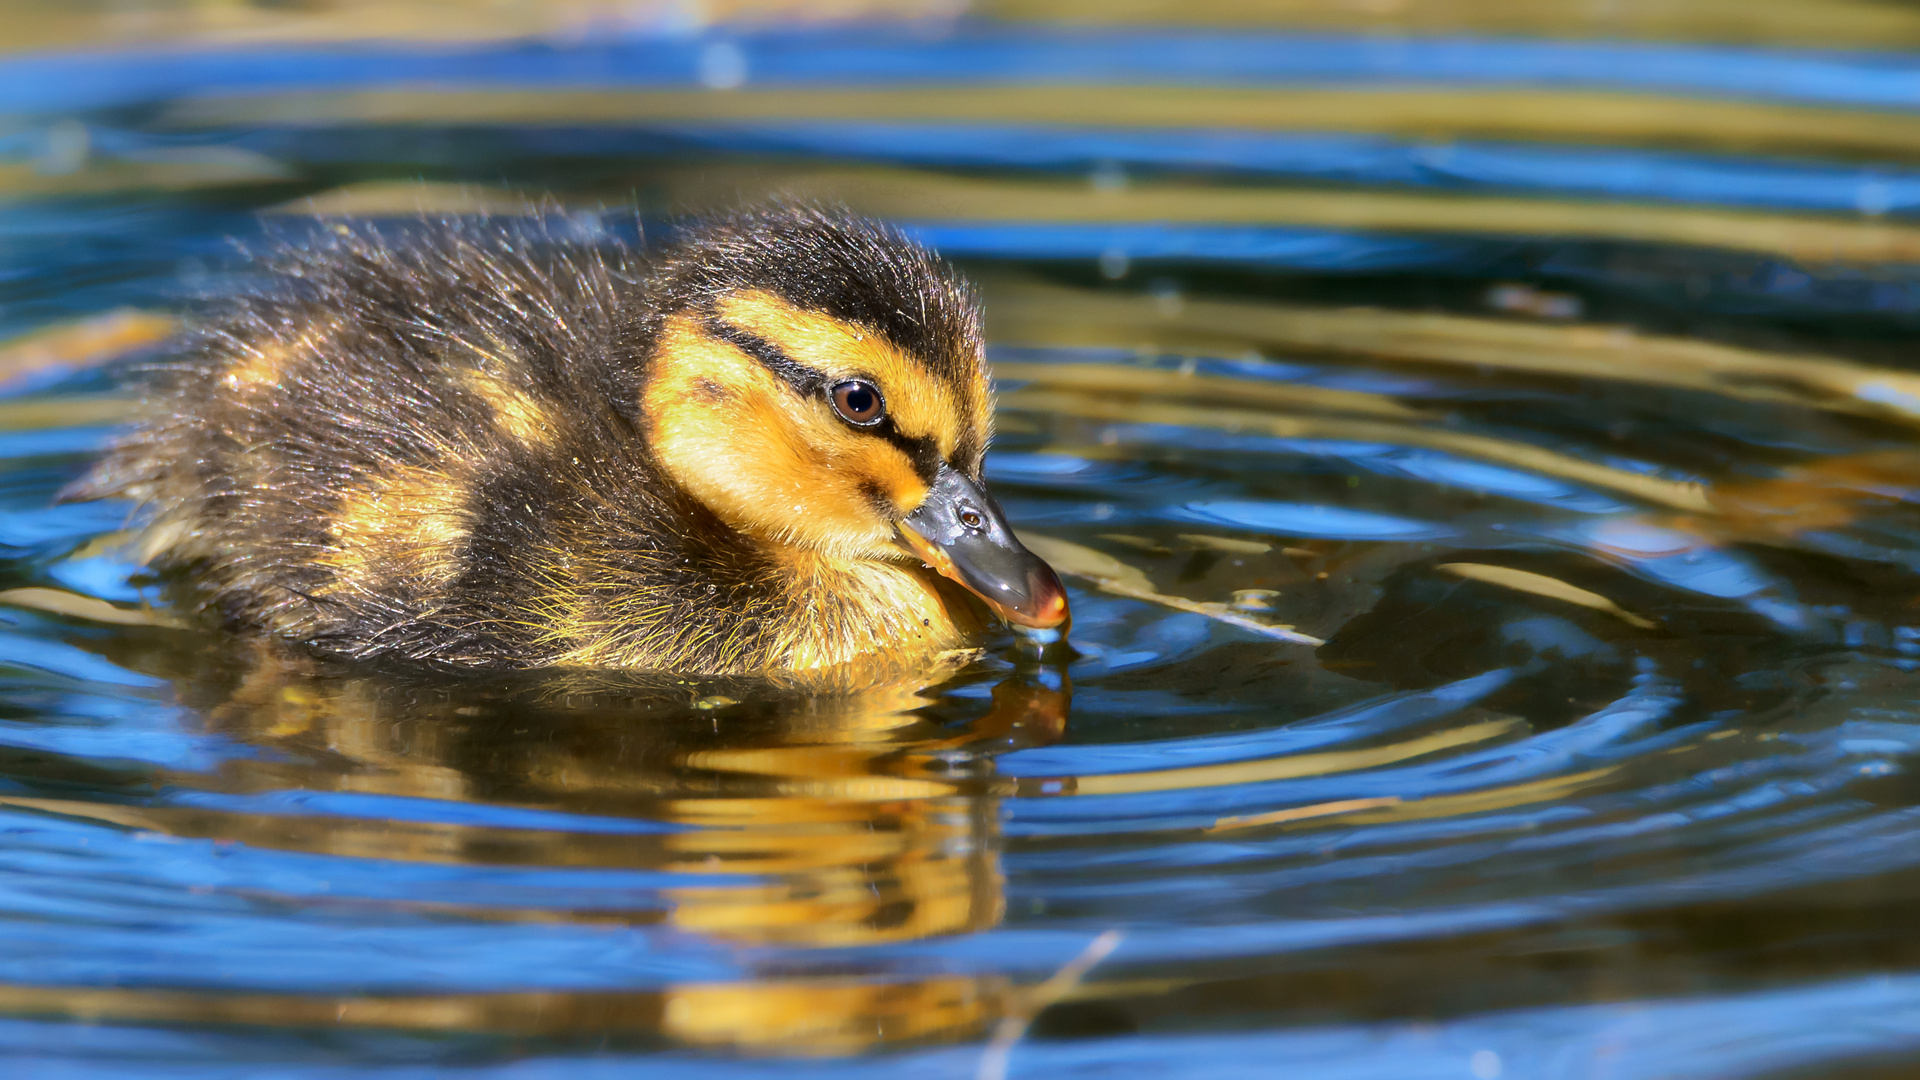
[(1550, 717)]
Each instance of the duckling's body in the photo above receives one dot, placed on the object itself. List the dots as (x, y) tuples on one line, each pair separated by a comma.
[(475, 444)]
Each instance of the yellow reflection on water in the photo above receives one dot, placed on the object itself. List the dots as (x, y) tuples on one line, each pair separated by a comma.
[(809, 1016), (797, 820), (40, 24), (1026, 312)]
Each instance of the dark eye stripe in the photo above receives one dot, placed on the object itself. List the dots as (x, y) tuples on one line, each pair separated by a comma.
[(922, 450), (803, 379)]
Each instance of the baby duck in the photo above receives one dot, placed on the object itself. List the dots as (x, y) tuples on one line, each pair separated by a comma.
[(483, 444)]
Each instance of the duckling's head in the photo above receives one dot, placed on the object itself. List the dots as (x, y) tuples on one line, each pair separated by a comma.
[(816, 380)]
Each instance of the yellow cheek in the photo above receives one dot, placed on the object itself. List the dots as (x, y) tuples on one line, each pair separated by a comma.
[(765, 460), (890, 472)]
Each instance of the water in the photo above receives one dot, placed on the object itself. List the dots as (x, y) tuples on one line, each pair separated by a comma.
[(1560, 389)]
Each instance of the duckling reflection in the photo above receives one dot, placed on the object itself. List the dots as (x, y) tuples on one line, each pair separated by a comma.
[(861, 818), (799, 821)]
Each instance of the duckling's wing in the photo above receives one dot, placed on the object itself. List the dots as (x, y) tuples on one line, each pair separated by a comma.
[(374, 449)]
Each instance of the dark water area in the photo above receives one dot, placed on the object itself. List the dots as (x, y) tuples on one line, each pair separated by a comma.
[(1484, 469)]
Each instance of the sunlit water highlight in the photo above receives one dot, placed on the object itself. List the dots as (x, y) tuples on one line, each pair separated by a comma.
[(1600, 769)]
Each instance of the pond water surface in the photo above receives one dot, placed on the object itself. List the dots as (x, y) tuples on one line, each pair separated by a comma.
[(1486, 473)]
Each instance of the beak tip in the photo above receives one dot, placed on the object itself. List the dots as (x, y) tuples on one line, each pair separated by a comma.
[(1049, 599)]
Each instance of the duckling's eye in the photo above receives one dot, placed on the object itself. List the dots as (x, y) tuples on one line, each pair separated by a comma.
[(859, 402)]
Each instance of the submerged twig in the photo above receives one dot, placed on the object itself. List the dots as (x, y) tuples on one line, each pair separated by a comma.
[(1007, 1034), (1217, 612), (1302, 813), (1110, 575), (92, 609)]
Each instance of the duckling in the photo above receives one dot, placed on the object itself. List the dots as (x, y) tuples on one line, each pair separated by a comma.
[(481, 443)]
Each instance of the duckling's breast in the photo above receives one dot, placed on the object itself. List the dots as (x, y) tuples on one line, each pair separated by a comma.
[(839, 611)]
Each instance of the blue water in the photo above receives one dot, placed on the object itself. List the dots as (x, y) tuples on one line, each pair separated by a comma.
[(979, 54), (1601, 771)]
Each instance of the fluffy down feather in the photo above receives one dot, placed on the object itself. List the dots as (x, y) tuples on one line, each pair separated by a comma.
[(424, 441)]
